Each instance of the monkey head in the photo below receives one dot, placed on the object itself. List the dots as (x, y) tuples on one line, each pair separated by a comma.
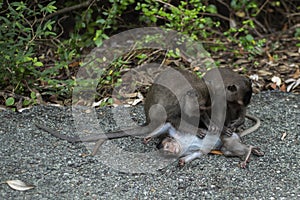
[(239, 93), (169, 146)]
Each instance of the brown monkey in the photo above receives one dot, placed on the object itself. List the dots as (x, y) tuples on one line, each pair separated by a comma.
[(238, 94), (176, 96), (188, 146), (180, 102)]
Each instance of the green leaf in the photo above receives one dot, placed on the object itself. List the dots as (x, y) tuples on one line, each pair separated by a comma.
[(26, 102), (38, 64), (249, 38), (33, 95), (211, 9), (9, 101)]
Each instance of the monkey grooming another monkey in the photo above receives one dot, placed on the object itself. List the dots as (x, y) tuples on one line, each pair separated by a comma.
[(179, 102), (188, 146)]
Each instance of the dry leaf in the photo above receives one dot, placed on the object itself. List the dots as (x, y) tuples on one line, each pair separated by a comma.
[(296, 74), (276, 80), (264, 73), (88, 111), (19, 185), (271, 59), (254, 77), (283, 136), (240, 14), (293, 84), (216, 152), (273, 86), (283, 88)]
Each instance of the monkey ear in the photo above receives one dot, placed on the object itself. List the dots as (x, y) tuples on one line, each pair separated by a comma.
[(232, 88)]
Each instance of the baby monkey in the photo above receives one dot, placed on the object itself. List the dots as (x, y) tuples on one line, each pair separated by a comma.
[(187, 146)]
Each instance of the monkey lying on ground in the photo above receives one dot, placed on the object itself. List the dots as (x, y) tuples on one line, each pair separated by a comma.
[(188, 146)]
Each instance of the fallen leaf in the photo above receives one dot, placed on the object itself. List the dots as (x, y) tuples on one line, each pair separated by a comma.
[(216, 152), (254, 77), (264, 73), (283, 136), (276, 80), (271, 59), (273, 86), (74, 64), (296, 75), (293, 84), (283, 88), (19, 185)]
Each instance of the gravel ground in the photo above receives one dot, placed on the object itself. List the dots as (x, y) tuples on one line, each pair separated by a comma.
[(61, 170)]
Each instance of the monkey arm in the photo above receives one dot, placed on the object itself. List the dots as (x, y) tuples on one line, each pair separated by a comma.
[(165, 128), (190, 157), (212, 127), (239, 121)]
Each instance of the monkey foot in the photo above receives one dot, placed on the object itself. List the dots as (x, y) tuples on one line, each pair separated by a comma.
[(256, 151), (243, 164)]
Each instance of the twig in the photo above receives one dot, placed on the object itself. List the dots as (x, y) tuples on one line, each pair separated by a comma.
[(68, 9)]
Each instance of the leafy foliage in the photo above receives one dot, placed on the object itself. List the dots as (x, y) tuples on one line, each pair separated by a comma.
[(42, 43)]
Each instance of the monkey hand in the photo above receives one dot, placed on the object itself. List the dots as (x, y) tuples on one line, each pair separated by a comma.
[(181, 162), (227, 131), (201, 133), (236, 123), (146, 140)]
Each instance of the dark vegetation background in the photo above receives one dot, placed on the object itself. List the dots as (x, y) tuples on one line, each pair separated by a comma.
[(43, 43)]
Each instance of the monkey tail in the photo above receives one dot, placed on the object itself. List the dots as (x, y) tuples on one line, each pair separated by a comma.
[(254, 127), (141, 130), (56, 134)]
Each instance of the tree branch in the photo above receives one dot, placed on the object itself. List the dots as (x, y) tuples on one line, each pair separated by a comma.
[(68, 9)]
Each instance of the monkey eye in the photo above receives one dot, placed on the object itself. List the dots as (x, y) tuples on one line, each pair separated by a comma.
[(167, 146)]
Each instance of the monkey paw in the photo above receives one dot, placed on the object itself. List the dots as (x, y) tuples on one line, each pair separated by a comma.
[(181, 162), (256, 151), (228, 131), (146, 140), (201, 133), (243, 164)]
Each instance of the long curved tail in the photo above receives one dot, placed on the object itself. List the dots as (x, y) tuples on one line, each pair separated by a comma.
[(254, 127), (141, 130)]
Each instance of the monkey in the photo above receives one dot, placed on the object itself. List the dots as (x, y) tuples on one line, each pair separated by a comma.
[(179, 102), (238, 91), (188, 146)]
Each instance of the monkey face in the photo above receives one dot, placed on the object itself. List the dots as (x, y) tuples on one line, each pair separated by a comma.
[(170, 146)]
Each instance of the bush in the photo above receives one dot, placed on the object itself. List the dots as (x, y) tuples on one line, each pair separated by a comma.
[(20, 31)]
